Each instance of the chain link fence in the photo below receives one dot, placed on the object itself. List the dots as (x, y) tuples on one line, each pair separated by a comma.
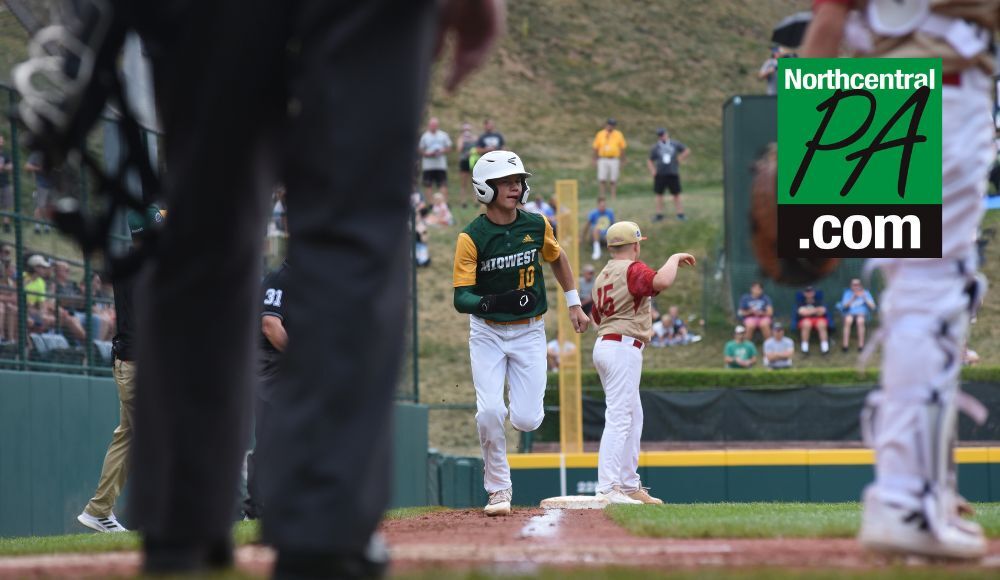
[(57, 310)]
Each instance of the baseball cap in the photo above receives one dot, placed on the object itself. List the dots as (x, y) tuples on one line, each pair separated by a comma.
[(777, 326), (588, 268), (623, 234), (612, 121), (810, 289), (661, 131), (740, 329), (39, 261), (137, 222)]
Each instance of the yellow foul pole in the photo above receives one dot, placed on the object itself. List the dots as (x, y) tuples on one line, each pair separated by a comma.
[(570, 413)]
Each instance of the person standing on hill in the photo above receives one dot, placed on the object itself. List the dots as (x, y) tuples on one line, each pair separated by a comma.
[(664, 163), (435, 145), (609, 156)]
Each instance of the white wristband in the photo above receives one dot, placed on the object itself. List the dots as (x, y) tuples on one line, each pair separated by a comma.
[(572, 298)]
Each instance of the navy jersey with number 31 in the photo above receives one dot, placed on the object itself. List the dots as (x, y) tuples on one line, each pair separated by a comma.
[(272, 296)]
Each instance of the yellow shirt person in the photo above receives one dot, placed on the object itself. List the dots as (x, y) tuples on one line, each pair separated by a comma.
[(609, 153)]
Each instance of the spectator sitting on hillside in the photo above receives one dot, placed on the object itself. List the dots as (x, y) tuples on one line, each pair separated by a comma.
[(8, 299), (279, 219), (65, 318), (670, 329), (756, 311), (553, 352), (554, 218), (6, 191), (104, 303), (440, 214), (740, 353), (810, 313), (857, 306), (69, 298), (969, 357), (778, 349), (421, 253), (39, 318), (541, 207), (586, 288), (598, 222), (44, 189)]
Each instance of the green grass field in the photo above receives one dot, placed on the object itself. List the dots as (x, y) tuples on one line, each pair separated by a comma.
[(760, 520), (243, 533)]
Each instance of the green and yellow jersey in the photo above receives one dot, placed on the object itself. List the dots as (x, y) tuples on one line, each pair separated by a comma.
[(493, 259)]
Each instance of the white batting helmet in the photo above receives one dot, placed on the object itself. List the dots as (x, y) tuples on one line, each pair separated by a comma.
[(494, 165)]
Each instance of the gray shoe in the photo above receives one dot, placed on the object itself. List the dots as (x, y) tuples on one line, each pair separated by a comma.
[(499, 504)]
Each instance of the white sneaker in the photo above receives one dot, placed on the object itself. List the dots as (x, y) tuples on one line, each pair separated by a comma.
[(616, 495), (596, 255), (895, 529), (499, 504), (103, 525)]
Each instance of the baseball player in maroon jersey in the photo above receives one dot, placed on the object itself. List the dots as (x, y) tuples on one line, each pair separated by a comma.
[(624, 327)]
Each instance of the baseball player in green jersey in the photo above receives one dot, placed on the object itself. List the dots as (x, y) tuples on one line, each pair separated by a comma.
[(498, 281)]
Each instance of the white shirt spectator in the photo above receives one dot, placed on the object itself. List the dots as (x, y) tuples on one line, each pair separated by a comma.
[(437, 141)]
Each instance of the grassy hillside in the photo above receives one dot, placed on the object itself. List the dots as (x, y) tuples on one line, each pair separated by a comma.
[(567, 65)]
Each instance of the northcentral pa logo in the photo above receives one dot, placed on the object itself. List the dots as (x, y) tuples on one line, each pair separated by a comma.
[(859, 158)]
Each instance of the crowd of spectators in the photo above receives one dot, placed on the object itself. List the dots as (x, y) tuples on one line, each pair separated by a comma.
[(809, 315), (670, 329), (55, 303)]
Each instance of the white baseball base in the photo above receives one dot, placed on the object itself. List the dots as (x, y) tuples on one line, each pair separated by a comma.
[(575, 502)]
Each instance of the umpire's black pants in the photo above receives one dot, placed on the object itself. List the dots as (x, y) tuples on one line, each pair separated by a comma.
[(326, 95)]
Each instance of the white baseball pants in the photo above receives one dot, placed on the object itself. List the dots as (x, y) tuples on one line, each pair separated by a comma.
[(515, 352), (619, 364), (925, 316)]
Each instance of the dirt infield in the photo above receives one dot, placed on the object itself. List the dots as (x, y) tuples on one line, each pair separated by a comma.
[(531, 539), (525, 542)]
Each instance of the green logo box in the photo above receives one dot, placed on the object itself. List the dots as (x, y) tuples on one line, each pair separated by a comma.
[(859, 157)]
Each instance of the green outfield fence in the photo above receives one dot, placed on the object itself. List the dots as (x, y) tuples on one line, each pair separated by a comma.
[(749, 125), (55, 332)]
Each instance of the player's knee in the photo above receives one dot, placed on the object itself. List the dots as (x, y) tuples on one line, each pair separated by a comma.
[(525, 422), (492, 415)]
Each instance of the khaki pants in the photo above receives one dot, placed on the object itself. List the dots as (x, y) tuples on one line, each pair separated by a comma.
[(115, 469)]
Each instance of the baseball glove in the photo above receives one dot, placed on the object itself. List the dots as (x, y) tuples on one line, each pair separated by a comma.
[(764, 230)]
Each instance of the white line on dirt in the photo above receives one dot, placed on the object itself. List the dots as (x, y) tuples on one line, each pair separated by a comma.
[(543, 526)]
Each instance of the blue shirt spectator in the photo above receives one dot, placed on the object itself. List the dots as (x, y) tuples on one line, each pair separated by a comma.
[(598, 222), (857, 303)]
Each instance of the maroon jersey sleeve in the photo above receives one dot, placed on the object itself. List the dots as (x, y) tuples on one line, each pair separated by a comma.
[(640, 280)]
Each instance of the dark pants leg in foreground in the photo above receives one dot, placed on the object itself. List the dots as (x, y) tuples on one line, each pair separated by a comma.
[(327, 96)]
